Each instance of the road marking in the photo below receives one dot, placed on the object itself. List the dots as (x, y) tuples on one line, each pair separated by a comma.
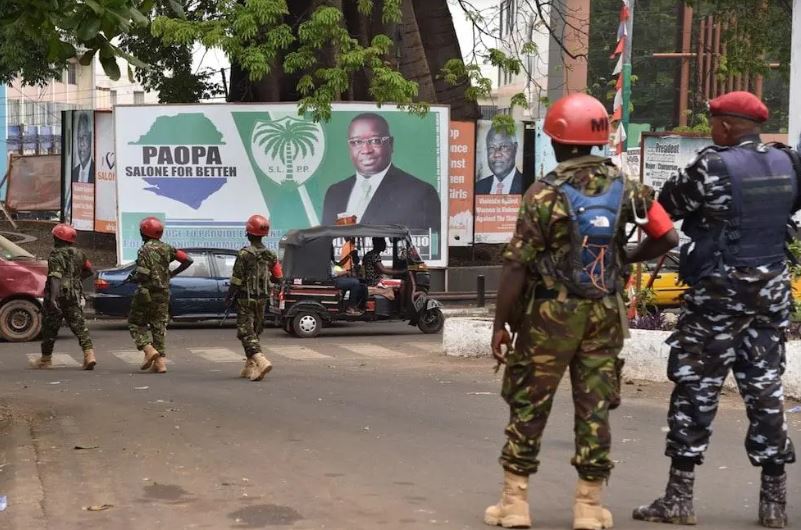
[(60, 360), (219, 355), (298, 353), (373, 350), (134, 357)]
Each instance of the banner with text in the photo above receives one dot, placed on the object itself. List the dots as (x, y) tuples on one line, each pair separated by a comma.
[(205, 168), (664, 155), (499, 182), (105, 175), (462, 162)]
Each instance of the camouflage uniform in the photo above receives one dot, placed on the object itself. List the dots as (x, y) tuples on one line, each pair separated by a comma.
[(733, 319), (251, 276), (150, 308), (563, 331), (66, 264)]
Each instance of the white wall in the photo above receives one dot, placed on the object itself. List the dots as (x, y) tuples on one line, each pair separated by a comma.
[(794, 137)]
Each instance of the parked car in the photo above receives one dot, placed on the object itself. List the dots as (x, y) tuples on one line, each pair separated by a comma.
[(668, 288), (198, 293), (22, 282)]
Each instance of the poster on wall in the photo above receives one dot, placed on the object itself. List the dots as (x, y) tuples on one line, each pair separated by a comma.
[(66, 166), (205, 168), (83, 170), (664, 155), (499, 182), (105, 175), (461, 162)]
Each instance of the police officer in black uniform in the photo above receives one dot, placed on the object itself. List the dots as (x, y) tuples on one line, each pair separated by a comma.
[(736, 199)]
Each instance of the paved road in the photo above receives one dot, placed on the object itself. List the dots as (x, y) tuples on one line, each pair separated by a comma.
[(365, 427)]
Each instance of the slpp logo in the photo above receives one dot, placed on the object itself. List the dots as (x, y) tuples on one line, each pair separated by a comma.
[(287, 150)]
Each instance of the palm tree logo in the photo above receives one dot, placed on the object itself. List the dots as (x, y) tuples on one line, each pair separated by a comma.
[(289, 150)]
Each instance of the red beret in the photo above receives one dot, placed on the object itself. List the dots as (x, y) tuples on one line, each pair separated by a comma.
[(740, 105)]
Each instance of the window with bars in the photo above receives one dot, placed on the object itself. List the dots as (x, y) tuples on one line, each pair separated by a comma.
[(139, 97), (72, 74)]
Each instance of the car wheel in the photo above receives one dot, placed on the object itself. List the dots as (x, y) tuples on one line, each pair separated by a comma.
[(20, 321), (431, 321), (307, 324)]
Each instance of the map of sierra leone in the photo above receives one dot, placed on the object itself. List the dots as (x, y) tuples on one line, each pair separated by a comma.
[(188, 129)]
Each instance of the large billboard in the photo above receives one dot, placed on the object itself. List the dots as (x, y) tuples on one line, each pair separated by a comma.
[(82, 173), (499, 182), (205, 168), (105, 175)]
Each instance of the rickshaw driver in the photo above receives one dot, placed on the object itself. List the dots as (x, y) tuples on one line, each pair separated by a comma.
[(346, 281)]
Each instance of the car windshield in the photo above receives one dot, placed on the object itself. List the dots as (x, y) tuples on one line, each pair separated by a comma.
[(10, 251)]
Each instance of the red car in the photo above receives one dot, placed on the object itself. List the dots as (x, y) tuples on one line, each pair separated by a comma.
[(22, 282)]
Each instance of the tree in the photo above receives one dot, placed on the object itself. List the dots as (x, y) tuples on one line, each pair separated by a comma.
[(38, 37), (169, 66)]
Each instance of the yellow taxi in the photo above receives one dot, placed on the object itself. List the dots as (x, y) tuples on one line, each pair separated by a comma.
[(668, 288)]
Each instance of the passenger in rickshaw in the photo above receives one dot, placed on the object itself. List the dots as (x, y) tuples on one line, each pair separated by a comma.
[(374, 272), (344, 276)]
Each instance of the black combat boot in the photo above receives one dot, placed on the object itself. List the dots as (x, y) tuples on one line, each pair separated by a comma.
[(676, 507), (772, 500)]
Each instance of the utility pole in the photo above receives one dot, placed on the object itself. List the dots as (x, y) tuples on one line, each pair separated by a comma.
[(794, 137), (627, 72)]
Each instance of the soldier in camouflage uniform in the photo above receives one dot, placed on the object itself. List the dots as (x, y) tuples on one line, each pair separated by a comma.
[(563, 323), (735, 199), (150, 307), (67, 266), (250, 287)]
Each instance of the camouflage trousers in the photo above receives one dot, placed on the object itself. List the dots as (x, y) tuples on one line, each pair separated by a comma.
[(711, 339), (250, 323), (51, 322), (148, 317), (586, 337)]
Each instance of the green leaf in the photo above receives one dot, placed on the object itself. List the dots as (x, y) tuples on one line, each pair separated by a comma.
[(97, 8), (88, 28), (86, 58), (111, 67), (130, 58), (138, 17), (177, 8)]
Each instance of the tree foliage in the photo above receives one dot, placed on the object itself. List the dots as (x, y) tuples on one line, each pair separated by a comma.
[(169, 66), (38, 37)]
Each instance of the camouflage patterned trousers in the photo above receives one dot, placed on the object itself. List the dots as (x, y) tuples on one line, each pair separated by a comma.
[(147, 319), (250, 323), (51, 322), (586, 337), (715, 335)]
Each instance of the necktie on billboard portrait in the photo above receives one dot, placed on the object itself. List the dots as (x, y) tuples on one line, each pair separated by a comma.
[(364, 197), (499, 188)]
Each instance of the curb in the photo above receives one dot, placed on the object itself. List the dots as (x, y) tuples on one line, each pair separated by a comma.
[(645, 352)]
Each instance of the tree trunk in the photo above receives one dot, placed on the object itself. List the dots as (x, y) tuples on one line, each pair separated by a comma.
[(441, 44), (425, 40)]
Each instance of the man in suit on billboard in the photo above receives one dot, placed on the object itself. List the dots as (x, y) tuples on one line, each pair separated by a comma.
[(84, 170), (380, 192), (501, 156)]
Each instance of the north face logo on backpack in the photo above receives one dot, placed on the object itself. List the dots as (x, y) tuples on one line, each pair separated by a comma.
[(600, 222)]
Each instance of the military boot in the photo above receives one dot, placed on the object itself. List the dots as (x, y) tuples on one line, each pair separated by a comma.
[(250, 365), (772, 501), (159, 365), (588, 514), (512, 510), (45, 361), (89, 360), (676, 507), (150, 356), (261, 367)]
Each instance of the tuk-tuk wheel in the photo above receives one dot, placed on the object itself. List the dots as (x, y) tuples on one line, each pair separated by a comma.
[(431, 321), (287, 326), (307, 324)]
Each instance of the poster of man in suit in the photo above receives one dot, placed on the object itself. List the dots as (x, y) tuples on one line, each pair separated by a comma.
[(500, 174), (83, 169), (380, 192)]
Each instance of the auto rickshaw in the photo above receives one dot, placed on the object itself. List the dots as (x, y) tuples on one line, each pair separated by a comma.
[(306, 298)]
